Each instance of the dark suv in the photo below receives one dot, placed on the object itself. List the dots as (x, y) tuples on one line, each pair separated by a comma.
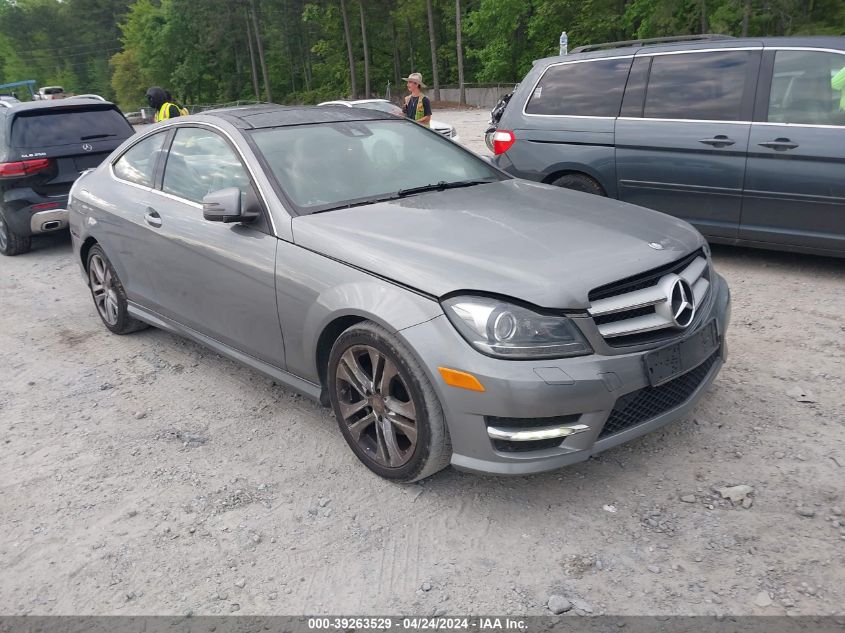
[(44, 146), (744, 138)]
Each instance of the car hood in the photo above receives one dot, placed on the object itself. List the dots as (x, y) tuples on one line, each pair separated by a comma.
[(541, 244)]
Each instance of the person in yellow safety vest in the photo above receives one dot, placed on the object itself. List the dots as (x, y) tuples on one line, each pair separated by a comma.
[(165, 108), (417, 106), (838, 83)]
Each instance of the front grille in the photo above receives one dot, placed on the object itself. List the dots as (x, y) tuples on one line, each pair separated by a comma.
[(647, 403), (637, 310)]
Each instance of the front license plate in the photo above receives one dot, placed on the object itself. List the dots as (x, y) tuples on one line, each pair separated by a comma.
[(662, 365)]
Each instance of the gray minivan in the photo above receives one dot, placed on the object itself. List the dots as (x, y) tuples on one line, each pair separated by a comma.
[(743, 138)]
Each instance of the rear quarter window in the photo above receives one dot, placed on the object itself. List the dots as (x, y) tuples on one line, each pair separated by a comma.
[(51, 128), (586, 88)]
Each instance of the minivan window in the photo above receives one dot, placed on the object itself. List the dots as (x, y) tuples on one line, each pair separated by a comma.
[(592, 88), (704, 86), (51, 127), (808, 87), (139, 162)]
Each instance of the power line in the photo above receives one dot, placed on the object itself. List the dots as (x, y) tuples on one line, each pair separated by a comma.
[(51, 49), (92, 54)]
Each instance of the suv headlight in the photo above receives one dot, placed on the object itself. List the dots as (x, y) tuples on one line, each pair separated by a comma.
[(506, 330)]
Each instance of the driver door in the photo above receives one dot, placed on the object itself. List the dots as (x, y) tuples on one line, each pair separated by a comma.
[(216, 279)]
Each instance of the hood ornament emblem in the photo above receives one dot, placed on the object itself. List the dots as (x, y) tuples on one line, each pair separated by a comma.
[(656, 246)]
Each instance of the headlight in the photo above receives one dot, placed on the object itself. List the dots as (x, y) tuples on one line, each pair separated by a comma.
[(506, 330)]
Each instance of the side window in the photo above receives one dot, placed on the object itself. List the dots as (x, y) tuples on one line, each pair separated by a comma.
[(808, 87), (704, 86), (581, 89), (139, 162), (201, 162)]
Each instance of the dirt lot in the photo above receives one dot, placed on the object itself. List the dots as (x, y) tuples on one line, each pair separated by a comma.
[(145, 475)]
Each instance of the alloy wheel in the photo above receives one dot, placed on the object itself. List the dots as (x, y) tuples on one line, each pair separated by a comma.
[(102, 287), (376, 406)]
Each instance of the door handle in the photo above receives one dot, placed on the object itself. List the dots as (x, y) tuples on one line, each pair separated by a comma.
[(152, 217), (779, 144), (717, 141)]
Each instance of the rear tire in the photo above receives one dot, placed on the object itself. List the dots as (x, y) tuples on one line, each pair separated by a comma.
[(109, 295), (385, 406), (12, 243), (580, 182)]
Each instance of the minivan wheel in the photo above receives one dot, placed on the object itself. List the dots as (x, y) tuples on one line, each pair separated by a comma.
[(385, 405), (579, 182), (12, 243), (109, 295)]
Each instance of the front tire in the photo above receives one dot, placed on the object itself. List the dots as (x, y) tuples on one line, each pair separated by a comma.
[(12, 243), (109, 295), (385, 405)]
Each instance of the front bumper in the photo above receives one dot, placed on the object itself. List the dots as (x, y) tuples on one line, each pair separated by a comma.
[(585, 404)]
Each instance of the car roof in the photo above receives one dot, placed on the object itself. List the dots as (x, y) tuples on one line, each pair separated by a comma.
[(271, 115), (833, 42)]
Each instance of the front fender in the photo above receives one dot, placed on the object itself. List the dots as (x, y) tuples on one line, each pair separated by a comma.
[(314, 291)]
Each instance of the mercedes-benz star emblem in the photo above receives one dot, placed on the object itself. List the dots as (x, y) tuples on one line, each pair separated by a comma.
[(656, 246), (683, 309), (87, 147)]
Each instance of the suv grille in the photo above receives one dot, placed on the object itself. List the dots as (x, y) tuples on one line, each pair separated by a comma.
[(647, 403), (637, 309)]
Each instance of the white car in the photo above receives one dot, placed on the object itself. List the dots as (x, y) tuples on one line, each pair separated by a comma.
[(383, 105)]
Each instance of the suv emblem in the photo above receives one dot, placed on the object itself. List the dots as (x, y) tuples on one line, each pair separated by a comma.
[(87, 147), (681, 300), (656, 246)]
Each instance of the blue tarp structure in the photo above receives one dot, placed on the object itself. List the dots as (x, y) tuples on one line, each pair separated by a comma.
[(29, 83)]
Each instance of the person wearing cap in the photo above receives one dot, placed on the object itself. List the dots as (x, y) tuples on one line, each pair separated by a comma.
[(417, 105)]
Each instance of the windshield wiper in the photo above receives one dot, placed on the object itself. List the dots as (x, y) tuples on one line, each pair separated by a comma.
[(357, 203), (441, 186), (92, 136)]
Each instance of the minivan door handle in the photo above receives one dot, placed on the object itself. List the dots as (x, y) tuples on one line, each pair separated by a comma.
[(152, 217), (717, 141), (779, 144)]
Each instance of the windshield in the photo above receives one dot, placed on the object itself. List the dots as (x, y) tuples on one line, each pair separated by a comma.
[(331, 165)]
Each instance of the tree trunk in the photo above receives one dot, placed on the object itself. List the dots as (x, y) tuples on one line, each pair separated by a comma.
[(703, 7), (252, 60), (433, 41), (267, 90), (352, 79), (746, 17), (397, 63), (411, 45), (463, 99), (366, 50), (305, 46)]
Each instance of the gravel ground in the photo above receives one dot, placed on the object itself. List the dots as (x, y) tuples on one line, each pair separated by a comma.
[(146, 475)]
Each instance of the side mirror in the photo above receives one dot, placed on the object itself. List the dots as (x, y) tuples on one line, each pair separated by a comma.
[(222, 206)]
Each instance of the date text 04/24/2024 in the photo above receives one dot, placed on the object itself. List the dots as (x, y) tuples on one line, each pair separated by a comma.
[(416, 624)]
